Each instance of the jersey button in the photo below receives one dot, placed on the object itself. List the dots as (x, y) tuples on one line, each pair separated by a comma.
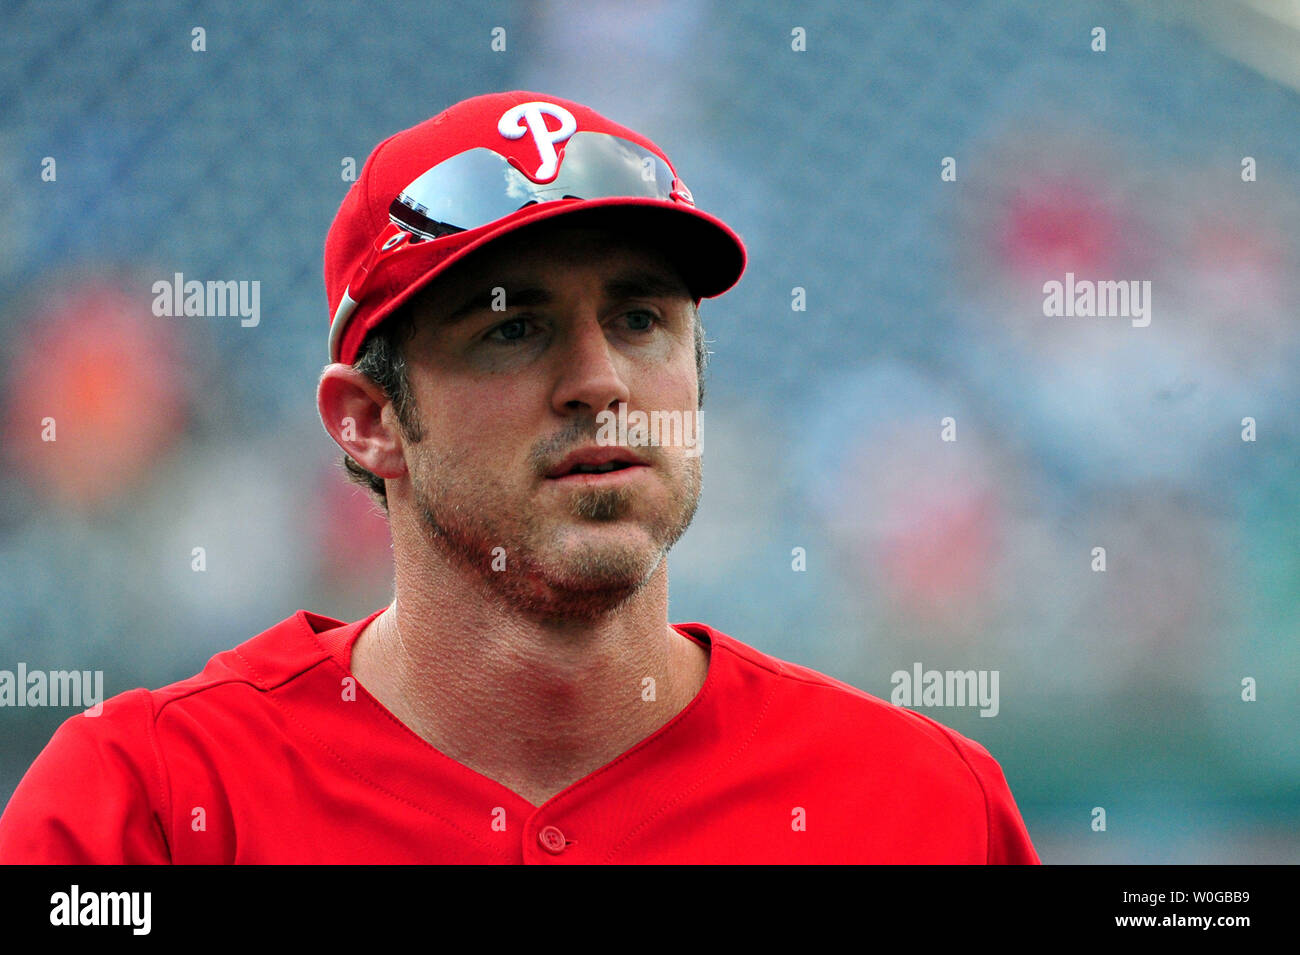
[(552, 840)]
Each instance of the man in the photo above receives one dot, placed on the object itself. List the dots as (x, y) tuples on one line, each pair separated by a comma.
[(506, 279)]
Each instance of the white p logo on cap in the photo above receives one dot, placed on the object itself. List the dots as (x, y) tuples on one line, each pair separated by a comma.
[(510, 127)]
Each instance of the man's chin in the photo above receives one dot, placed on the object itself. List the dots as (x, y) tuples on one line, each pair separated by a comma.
[(591, 578), (568, 595), (580, 561)]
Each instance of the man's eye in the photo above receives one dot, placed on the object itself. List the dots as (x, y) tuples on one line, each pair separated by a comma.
[(641, 320), (512, 331)]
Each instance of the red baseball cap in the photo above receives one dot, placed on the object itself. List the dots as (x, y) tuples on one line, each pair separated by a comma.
[(432, 194)]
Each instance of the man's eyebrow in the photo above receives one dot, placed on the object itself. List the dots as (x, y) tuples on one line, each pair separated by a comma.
[(639, 284), (485, 299)]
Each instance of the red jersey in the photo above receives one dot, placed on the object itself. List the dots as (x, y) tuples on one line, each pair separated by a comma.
[(275, 754)]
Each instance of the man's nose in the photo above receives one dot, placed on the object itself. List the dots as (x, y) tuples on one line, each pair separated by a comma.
[(589, 369)]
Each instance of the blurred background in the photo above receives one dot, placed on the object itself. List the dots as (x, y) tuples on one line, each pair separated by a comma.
[(923, 299)]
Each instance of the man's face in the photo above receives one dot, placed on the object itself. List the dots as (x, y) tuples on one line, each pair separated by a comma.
[(591, 319)]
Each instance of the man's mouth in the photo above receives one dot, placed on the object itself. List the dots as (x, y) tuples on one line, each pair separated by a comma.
[(586, 462), (600, 468)]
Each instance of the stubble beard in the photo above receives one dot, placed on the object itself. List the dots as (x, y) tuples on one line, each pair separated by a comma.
[(472, 521)]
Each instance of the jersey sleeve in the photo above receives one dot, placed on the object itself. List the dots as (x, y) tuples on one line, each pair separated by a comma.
[(1008, 838), (96, 794)]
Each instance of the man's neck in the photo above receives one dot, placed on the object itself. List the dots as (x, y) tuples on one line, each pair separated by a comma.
[(534, 706)]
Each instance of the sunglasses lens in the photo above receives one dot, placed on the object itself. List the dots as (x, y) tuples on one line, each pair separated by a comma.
[(479, 186)]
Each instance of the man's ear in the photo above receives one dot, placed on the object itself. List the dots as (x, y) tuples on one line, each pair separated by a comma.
[(351, 407)]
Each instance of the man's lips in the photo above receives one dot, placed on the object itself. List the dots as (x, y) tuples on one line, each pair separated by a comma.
[(603, 479), (596, 462)]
